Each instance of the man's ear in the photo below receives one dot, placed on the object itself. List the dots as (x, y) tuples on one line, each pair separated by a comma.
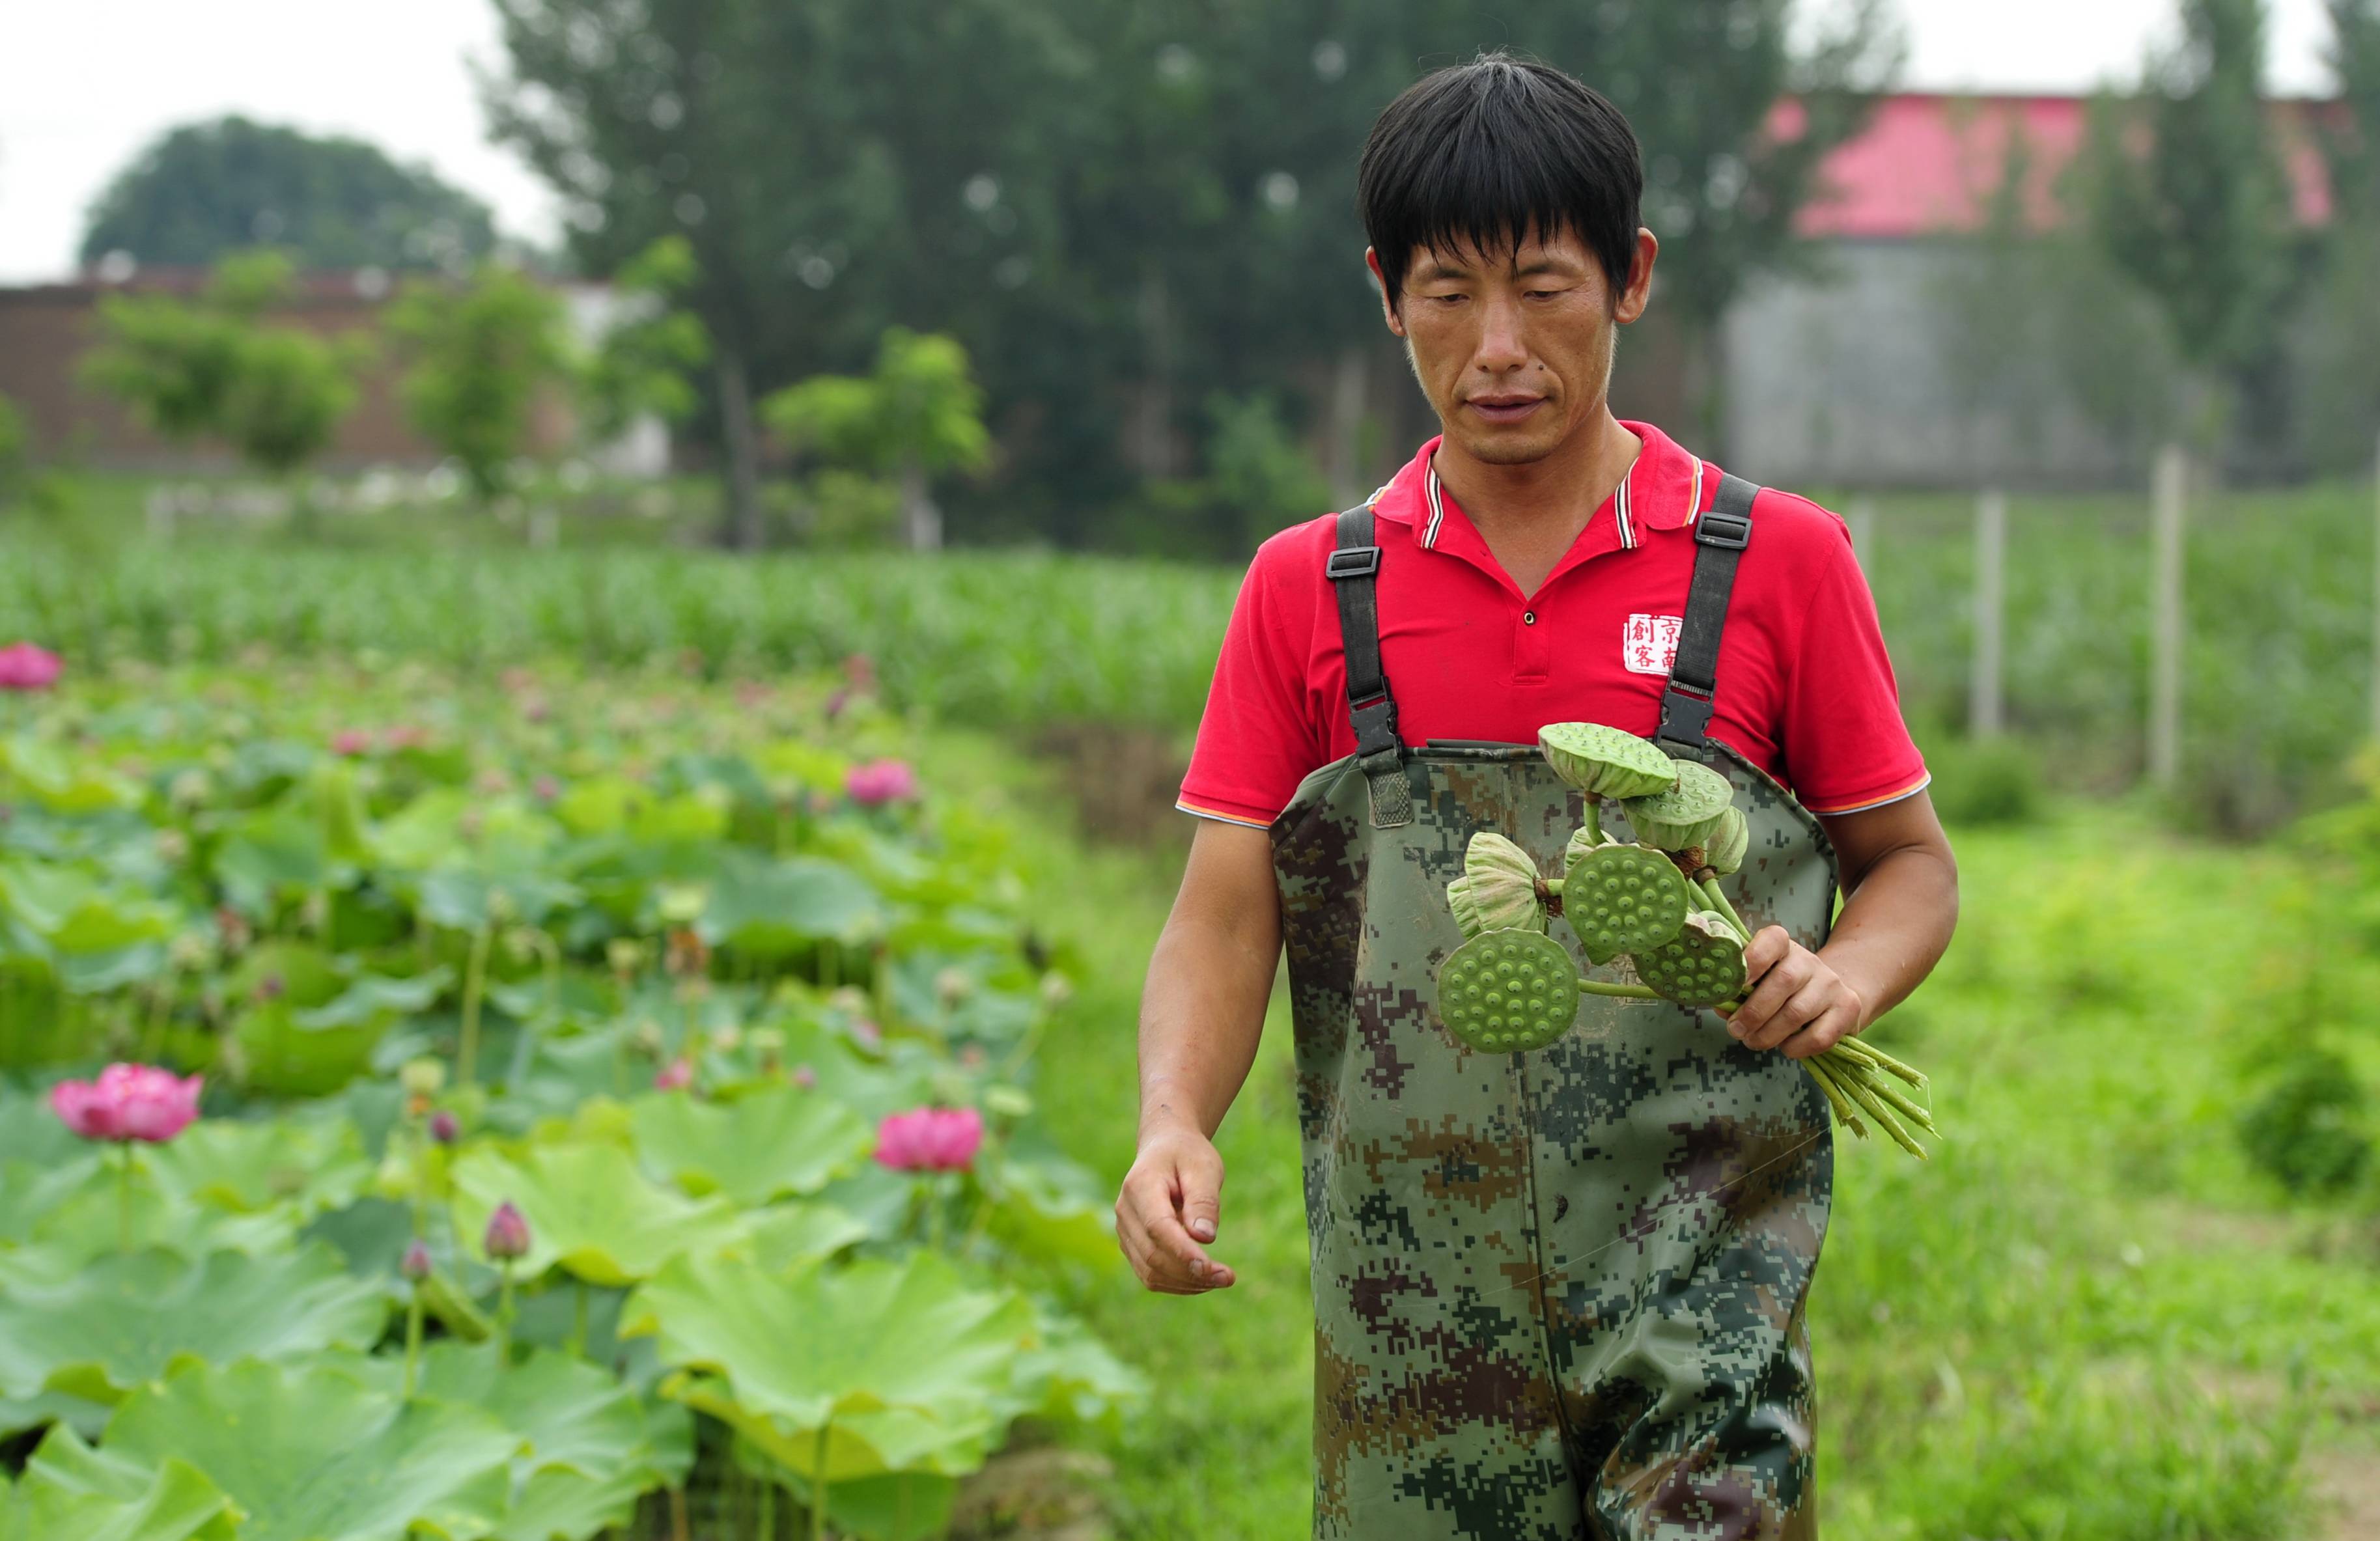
[(1632, 300), (1387, 303)]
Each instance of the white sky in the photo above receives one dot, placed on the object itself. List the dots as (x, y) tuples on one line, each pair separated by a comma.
[(85, 84)]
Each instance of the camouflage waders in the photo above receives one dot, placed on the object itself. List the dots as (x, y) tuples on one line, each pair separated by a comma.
[(1558, 1294)]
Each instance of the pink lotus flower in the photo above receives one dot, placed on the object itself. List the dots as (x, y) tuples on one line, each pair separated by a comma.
[(868, 1035), (676, 1075), (26, 667), (879, 781), (507, 1236), (805, 1077), (547, 789), (128, 1102), (351, 741), (930, 1139)]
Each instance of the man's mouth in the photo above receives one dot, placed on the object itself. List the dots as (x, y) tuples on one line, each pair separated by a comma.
[(1505, 408)]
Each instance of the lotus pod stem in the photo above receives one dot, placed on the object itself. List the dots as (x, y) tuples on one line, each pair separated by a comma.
[(1899, 1101), (1594, 824), (1708, 885), (412, 1335), (1820, 1074), (1875, 1108), (1860, 1049), (1617, 990), (475, 983), (819, 1487)]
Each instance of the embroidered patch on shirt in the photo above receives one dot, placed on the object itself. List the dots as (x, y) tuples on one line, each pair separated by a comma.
[(1650, 643)]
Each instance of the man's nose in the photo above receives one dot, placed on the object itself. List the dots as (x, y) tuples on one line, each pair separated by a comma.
[(1503, 344)]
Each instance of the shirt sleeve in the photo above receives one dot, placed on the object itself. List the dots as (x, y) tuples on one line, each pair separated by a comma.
[(1846, 745), (1257, 739)]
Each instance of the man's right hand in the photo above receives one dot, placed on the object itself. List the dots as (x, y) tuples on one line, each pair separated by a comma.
[(1170, 1202)]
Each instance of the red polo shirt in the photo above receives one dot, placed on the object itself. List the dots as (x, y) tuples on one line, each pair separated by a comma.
[(1805, 690)]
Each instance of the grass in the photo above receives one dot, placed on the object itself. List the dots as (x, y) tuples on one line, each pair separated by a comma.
[(2086, 1319)]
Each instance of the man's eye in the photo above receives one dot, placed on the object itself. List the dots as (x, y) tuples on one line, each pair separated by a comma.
[(1543, 294), (1450, 299)]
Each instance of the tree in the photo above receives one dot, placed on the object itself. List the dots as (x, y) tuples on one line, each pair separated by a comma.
[(639, 367), (204, 189), (2186, 194), (2340, 329), (917, 415), (218, 367), (12, 450), (479, 357)]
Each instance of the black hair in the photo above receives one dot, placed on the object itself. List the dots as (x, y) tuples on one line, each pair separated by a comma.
[(1480, 153)]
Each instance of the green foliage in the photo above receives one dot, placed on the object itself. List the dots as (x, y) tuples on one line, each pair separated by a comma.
[(2309, 1128), (2192, 219), (70, 1490), (916, 417), (13, 434), (1258, 479), (1991, 782), (204, 189), (217, 367), (641, 364), (480, 355)]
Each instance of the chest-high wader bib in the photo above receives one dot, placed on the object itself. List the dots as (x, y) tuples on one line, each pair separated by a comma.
[(1558, 1294)]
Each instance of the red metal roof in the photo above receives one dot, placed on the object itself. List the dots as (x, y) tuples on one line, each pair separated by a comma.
[(1929, 163)]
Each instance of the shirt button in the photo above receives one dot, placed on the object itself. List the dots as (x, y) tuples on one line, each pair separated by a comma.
[(1528, 617)]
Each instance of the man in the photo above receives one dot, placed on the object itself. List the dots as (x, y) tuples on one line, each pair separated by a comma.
[(1558, 1293)]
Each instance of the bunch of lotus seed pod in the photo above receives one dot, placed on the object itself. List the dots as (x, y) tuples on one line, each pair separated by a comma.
[(1656, 901)]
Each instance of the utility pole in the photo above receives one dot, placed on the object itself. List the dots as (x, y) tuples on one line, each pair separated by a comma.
[(2170, 492), (1983, 671)]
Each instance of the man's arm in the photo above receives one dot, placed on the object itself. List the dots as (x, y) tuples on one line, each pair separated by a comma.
[(1900, 903), (1201, 1014)]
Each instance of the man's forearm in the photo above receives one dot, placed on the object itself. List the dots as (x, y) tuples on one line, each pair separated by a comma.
[(1202, 1013), (1894, 927)]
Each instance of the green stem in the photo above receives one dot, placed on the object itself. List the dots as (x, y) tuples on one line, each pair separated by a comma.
[(1708, 884), (579, 1319), (1594, 818), (932, 1186), (1882, 1088), (504, 1316), (818, 1486), (883, 986), (768, 1525), (1552, 885), (1874, 1109), (830, 965), (1835, 1098), (1860, 1049), (124, 1198), (1619, 991), (412, 1337), (475, 979), (969, 1184)]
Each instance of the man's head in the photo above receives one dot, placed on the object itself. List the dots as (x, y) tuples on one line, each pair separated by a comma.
[(1500, 200)]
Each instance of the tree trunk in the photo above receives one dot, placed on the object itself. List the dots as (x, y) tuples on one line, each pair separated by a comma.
[(1150, 426), (743, 456), (1349, 376), (919, 518), (1706, 384)]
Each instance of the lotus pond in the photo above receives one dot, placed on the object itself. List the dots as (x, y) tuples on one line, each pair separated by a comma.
[(615, 1113)]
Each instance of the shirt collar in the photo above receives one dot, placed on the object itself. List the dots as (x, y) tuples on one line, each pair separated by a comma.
[(1664, 489)]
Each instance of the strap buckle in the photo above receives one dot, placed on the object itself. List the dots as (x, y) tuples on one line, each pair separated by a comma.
[(1354, 562), (1685, 720), (1727, 531)]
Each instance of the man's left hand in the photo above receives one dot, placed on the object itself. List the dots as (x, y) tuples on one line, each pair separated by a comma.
[(1794, 999)]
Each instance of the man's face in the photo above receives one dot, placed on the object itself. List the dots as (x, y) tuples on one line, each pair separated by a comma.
[(1513, 347)]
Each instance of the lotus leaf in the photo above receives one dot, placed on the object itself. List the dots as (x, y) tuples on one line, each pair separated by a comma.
[(374, 1000), (46, 775), (787, 1234), (757, 1149), (274, 985), (123, 1318), (321, 1450), (83, 1415), (1505, 991), (1497, 890), (1073, 1374), (1623, 899), (592, 1443), (895, 1505), (1701, 966), (312, 1164), (466, 898), (589, 1209), (1687, 813), (1048, 1207), (70, 1216), (771, 907), (275, 854), (71, 1493), (447, 824), (1605, 761), (910, 1367)]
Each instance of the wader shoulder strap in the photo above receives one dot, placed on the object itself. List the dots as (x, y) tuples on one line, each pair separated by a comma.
[(1354, 569), (1720, 536)]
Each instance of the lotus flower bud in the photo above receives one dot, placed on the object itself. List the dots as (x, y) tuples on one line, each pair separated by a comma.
[(1605, 761), (727, 1038), (415, 1265), (625, 954), (1497, 890), (676, 1075), (805, 1077), (1687, 814), (1724, 851), (507, 1236), (444, 1127), (423, 1077)]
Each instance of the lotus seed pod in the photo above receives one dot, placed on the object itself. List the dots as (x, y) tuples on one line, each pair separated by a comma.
[(1623, 898), (1687, 814), (1701, 966), (1723, 850), (1505, 991), (1497, 890), (1605, 761), (422, 1076)]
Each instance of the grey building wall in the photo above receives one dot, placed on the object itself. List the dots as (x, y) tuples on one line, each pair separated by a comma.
[(1851, 378)]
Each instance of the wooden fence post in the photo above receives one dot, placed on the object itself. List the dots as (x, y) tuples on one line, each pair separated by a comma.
[(2170, 492), (1983, 668)]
